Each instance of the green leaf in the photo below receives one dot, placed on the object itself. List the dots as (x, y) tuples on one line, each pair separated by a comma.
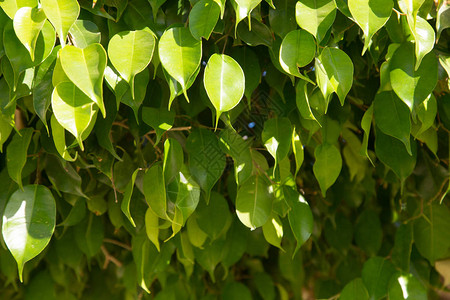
[(28, 223), (355, 289), (206, 160), (334, 73), (401, 252), (84, 33), (411, 85), (273, 231), (392, 117), (298, 49), (125, 206), (73, 109), (410, 6), (302, 99), (430, 234), (16, 154), (300, 217), (393, 153), (10, 7), (236, 290), (328, 166), (281, 19), (19, 56), (62, 14), (376, 273), (443, 17), (366, 124), (276, 136), (27, 24), (156, 4), (368, 232), (89, 235), (155, 191), (254, 202), (404, 286), (159, 119), (59, 139), (426, 112), (220, 70), (203, 18), (85, 68), (371, 16), (180, 54), (173, 160), (152, 227), (188, 196), (214, 218), (130, 53), (243, 8), (297, 149), (234, 145), (63, 176), (316, 17), (424, 37), (259, 34), (249, 63)]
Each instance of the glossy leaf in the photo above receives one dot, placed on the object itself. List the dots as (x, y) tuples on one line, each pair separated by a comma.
[(334, 73), (16, 154), (300, 217), (27, 23), (406, 286), (249, 63), (206, 159), (424, 37), (125, 206), (327, 166), (28, 223), (159, 119), (173, 160), (180, 54), (62, 14), (219, 70), (276, 136), (297, 50), (297, 148), (130, 53), (371, 16), (73, 109), (10, 7), (85, 68), (215, 217), (155, 191), (392, 117), (84, 33), (243, 8), (376, 274), (411, 85), (254, 202), (316, 17), (203, 18), (273, 231)]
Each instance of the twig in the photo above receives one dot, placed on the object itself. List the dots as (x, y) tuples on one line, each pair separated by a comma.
[(117, 243), (110, 258)]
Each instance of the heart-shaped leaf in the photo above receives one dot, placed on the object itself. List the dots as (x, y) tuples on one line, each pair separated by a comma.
[(85, 68), (254, 202), (297, 50), (370, 15), (203, 18), (243, 8), (27, 24), (334, 73), (84, 33), (10, 7), (315, 16), (220, 70), (62, 14), (411, 85), (28, 223), (130, 53), (73, 109), (180, 54)]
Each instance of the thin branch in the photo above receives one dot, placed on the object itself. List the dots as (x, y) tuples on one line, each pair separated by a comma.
[(109, 258), (117, 243)]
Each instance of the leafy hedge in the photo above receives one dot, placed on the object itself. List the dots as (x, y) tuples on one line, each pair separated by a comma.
[(213, 149)]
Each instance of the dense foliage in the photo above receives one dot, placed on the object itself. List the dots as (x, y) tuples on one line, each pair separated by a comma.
[(213, 149)]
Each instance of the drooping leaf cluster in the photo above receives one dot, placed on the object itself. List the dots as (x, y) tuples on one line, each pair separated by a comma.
[(213, 149)]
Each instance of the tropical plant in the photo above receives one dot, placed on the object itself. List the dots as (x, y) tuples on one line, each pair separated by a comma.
[(213, 149)]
